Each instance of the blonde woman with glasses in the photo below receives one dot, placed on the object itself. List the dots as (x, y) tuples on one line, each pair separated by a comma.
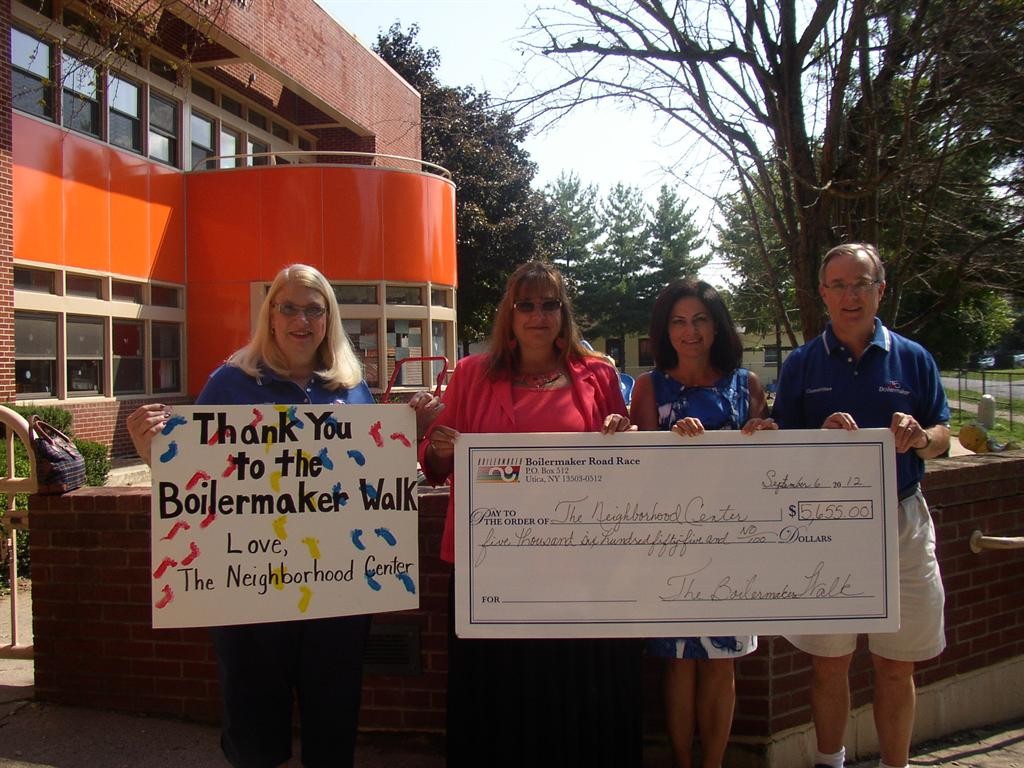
[(298, 354)]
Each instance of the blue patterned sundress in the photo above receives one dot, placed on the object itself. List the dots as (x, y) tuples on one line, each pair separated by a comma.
[(725, 405)]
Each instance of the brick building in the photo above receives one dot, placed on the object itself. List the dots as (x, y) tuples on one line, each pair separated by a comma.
[(157, 170)]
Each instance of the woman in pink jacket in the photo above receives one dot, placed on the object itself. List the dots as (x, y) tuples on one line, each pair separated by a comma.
[(535, 702)]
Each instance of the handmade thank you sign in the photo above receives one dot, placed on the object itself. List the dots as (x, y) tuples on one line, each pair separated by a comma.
[(649, 534), (277, 512)]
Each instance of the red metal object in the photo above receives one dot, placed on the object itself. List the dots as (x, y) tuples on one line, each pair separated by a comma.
[(441, 376)]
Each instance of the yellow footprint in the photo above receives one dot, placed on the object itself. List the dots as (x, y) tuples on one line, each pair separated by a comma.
[(279, 581), (279, 526), (307, 595), (314, 547), (275, 481)]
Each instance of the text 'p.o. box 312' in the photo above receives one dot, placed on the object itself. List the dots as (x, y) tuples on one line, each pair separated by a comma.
[(277, 512), (649, 534)]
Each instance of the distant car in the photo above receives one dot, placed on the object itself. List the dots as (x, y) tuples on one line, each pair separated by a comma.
[(985, 361), (1009, 359)]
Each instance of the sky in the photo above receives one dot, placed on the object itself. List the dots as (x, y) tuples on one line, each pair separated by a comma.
[(479, 45)]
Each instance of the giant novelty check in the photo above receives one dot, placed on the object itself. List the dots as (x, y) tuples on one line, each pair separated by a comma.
[(648, 534)]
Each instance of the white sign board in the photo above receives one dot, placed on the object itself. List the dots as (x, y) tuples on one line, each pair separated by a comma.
[(648, 534), (276, 512)]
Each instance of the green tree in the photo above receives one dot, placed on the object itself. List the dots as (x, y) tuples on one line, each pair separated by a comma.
[(619, 280), (675, 241), (573, 228), (836, 116), (498, 216)]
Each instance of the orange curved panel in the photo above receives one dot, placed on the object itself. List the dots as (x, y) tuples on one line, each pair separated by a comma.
[(224, 226), (352, 223), (407, 231), (444, 265), (291, 217)]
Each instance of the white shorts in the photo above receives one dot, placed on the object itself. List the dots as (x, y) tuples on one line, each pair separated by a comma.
[(922, 634)]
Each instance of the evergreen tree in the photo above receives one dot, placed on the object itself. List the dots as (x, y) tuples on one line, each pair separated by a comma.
[(674, 239)]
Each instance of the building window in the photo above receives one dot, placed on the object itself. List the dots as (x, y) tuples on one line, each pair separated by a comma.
[(124, 123), (404, 294), (204, 91), (83, 285), (230, 141), (163, 129), (281, 132), (165, 296), (121, 290), (166, 357), (363, 335), (771, 355), (356, 294), (441, 297), (615, 349), (646, 354), (35, 354), (257, 148), (80, 103), (258, 119), (38, 280), (405, 339), (162, 69), (202, 141), (230, 106), (439, 347), (129, 370), (31, 74), (85, 355)]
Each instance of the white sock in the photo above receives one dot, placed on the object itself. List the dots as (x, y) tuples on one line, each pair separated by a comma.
[(883, 764), (832, 761)]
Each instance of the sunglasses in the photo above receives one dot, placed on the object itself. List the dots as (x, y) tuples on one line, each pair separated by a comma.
[(312, 312), (548, 306)]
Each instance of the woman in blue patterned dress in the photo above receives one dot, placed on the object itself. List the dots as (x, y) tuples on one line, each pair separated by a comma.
[(697, 385)]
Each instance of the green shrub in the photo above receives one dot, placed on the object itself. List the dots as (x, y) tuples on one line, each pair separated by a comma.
[(97, 466)]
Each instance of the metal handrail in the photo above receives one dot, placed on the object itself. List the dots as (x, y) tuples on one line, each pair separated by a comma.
[(980, 542), (441, 376), (270, 155), (15, 425)]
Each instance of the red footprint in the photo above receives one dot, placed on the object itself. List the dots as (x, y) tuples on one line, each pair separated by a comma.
[(193, 553), (214, 439), (164, 565), (401, 438), (375, 434), (181, 525), (259, 417), (168, 596), (200, 475), (231, 465), (207, 520)]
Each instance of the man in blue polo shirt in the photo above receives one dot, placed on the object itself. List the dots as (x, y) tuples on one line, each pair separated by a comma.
[(858, 373)]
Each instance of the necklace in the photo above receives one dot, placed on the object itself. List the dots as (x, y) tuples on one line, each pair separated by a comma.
[(537, 380)]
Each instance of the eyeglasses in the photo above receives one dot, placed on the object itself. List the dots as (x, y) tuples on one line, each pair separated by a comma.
[(312, 312), (858, 288), (548, 306)]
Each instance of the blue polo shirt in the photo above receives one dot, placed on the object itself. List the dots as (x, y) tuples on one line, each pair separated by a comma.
[(230, 385), (894, 374)]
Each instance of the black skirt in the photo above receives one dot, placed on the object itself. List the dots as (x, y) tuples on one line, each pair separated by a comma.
[(539, 703)]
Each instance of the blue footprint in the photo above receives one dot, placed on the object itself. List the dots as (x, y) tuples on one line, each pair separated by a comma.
[(356, 538), (171, 423), (406, 579), (385, 534), (170, 453)]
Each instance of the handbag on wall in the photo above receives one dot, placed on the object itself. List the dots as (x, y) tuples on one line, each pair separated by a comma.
[(59, 466)]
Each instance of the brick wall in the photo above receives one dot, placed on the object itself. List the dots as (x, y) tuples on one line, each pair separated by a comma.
[(104, 421), (94, 646), (6, 216)]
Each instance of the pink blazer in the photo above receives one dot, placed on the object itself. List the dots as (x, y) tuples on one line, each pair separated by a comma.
[(475, 402)]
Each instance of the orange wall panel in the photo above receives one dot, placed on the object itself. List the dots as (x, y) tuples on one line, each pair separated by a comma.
[(352, 217), (86, 174), (291, 218), (224, 226), (218, 324), (83, 204), (406, 238), (129, 213), (445, 268), (38, 200), (167, 223)]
